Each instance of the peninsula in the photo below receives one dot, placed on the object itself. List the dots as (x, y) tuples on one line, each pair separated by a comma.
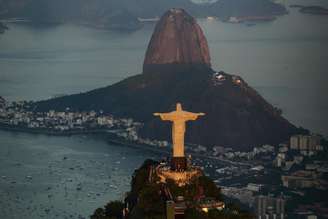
[(177, 68)]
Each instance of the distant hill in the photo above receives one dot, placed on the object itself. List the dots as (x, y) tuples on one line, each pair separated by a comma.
[(236, 115), (64, 10), (221, 8), (96, 13)]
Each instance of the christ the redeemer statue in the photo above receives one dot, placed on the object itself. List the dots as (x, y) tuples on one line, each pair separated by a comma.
[(179, 119)]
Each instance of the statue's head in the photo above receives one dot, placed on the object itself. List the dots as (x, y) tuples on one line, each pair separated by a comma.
[(179, 107)]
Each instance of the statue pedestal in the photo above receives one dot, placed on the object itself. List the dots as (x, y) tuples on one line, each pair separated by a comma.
[(178, 164)]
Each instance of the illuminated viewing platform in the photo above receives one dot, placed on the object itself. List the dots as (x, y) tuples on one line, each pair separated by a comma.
[(181, 178)]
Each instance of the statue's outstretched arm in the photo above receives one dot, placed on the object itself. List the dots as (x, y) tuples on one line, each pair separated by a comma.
[(193, 116), (164, 116)]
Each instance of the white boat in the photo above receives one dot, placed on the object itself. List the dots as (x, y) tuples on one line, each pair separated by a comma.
[(155, 19)]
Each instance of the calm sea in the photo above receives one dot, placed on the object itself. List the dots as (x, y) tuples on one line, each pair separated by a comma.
[(56, 177), (285, 60)]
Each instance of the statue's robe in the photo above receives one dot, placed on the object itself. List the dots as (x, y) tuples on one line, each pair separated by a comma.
[(179, 119)]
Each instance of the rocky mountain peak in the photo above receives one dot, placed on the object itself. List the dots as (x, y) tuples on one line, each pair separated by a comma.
[(177, 40)]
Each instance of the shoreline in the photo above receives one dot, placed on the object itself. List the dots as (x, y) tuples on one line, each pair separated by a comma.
[(154, 149), (109, 137), (8, 127)]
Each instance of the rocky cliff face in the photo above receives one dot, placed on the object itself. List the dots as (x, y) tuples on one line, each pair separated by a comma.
[(177, 39), (236, 115)]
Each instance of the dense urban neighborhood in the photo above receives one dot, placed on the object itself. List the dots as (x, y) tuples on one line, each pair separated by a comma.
[(285, 177)]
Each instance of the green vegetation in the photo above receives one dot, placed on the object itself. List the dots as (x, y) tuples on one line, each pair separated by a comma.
[(140, 176), (150, 200), (113, 210)]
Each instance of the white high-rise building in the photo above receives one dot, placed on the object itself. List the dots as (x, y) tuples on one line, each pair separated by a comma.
[(305, 142)]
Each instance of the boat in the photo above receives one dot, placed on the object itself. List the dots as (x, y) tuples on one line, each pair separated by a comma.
[(154, 19)]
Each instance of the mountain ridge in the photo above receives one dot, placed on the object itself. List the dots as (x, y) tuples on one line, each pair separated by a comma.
[(241, 121)]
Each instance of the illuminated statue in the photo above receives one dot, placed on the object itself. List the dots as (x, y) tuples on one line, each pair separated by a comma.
[(179, 119)]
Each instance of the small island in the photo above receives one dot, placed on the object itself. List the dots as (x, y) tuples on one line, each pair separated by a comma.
[(311, 9), (314, 10), (117, 21)]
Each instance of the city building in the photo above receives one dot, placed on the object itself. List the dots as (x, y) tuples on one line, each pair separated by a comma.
[(294, 142), (306, 144), (300, 179), (267, 207), (254, 187)]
